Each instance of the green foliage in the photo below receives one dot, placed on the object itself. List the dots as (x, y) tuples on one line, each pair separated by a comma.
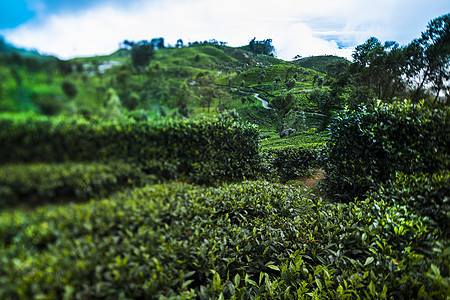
[(261, 47), (290, 84), (113, 105), (322, 62), (308, 138), (141, 54), (40, 183), (289, 162), (69, 89), (369, 144), (426, 194), (428, 59), (379, 68), (251, 240), (324, 100), (389, 71), (204, 150)]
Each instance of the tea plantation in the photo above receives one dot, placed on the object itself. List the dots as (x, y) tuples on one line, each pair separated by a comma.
[(94, 209)]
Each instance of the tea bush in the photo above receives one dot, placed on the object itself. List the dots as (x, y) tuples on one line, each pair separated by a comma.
[(251, 240), (203, 150), (38, 182), (427, 194), (369, 144), (289, 162)]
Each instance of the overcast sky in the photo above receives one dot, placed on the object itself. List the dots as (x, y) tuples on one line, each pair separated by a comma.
[(71, 28)]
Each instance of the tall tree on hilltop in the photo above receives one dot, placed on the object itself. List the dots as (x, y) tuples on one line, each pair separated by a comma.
[(157, 43), (261, 47), (141, 53)]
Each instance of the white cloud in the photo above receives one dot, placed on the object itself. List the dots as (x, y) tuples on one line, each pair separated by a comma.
[(296, 26)]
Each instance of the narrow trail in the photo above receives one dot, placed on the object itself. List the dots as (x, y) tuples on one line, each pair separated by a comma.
[(317, 175)]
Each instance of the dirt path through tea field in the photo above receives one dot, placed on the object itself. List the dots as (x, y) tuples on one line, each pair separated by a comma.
[(317, 175)]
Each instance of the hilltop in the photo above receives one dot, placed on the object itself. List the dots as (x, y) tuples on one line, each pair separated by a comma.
[(322, 63)]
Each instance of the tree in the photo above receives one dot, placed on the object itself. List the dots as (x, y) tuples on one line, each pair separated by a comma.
[(179, 43), (157, 43), (130, 102), (141, 54), (113, 107), (208, 94), (65, 67), (379, 67), (261, 47), (320, 82), (283, 104), (427, 59), (184, 98), (290, 84), (316, 76), (436, 45), (69, 89)]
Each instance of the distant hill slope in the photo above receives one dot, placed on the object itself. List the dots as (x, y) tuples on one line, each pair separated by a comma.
[(320, 62), (201, 56), (8, 49), (190, 80)]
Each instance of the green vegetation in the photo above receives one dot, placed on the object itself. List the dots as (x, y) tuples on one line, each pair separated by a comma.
[(241, 241), (370, 144), (159, 173), (209, 149), (35, 183), (322, 63), (289, 162)]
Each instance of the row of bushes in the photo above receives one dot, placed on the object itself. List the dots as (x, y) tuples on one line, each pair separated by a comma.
[(251, 240), (37, 183), (204, 150), (40, 182), (427, 194), (369, 144)]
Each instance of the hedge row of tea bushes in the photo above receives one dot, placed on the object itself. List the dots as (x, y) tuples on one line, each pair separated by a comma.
[(251, 240), (203, 150), (369, 144), (289, 162), (427, 194), (43, 182)]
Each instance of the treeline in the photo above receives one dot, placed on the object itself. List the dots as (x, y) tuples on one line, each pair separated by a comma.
[(388, 71), (143, 51)]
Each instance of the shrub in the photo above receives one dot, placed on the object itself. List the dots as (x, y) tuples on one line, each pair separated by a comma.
[(41, 183), (369, 144), (427, 194), (163, 240), (204, 150), (240, 241), (289, 162), (69, 89)]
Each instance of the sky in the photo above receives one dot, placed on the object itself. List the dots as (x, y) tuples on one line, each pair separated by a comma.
[(74, 28)]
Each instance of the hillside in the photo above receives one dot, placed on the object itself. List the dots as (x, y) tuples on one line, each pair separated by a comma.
[(187, 81), (321, 63)]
